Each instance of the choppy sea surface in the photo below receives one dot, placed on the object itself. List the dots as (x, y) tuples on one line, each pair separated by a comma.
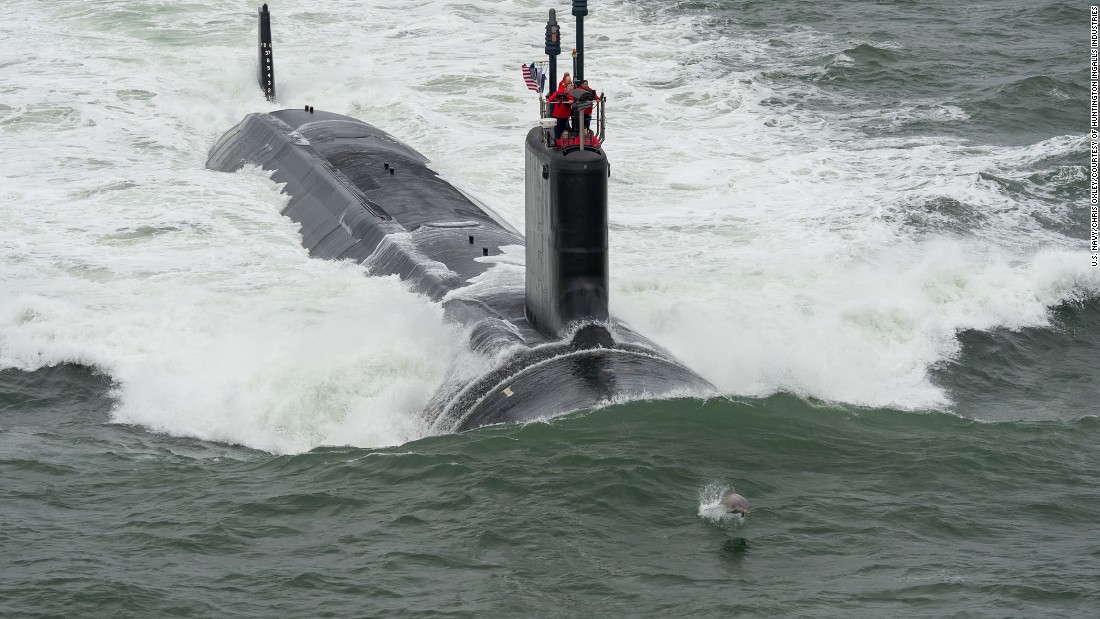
[(866, 223)]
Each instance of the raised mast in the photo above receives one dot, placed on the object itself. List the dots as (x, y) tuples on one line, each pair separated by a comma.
[(580, 9), (553, 47), (267, 57)]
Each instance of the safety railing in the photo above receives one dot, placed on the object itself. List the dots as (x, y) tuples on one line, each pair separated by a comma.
[(590, 136)]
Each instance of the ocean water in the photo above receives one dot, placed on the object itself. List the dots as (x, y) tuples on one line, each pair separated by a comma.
[(866, 223)]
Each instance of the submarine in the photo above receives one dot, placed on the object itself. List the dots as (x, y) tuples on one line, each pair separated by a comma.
[(551, 345)]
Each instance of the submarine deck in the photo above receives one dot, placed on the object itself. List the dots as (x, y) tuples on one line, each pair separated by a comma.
[(360, 194)]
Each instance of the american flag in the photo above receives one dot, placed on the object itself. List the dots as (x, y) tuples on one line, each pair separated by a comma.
[(533, 77)]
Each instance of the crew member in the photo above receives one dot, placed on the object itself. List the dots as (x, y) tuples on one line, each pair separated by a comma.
[(588, 110), (563, 106)]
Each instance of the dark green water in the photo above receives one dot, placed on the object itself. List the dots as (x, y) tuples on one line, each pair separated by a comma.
[(986, 508), (1018, 70), (864, 512)]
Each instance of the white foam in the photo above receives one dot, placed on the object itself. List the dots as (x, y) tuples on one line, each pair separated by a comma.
[(505, 273), (222, 328)]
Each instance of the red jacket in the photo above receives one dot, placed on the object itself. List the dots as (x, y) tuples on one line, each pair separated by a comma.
[(562, 109), (591, 140)]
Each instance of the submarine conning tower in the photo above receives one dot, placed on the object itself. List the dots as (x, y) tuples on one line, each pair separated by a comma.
[(566, 204)]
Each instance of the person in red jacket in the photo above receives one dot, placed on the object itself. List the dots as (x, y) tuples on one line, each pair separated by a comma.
[(588, 110), (563, 106), (566, 139)]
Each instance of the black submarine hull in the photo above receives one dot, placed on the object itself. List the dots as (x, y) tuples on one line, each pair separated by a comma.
[(360, 194)]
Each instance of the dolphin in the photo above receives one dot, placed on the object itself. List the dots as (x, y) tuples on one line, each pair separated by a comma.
[(735, 503)]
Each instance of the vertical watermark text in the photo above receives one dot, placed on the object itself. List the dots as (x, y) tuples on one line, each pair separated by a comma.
[(1094, 132)]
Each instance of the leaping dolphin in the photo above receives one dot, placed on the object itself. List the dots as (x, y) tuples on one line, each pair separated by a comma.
[(735, 503)]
